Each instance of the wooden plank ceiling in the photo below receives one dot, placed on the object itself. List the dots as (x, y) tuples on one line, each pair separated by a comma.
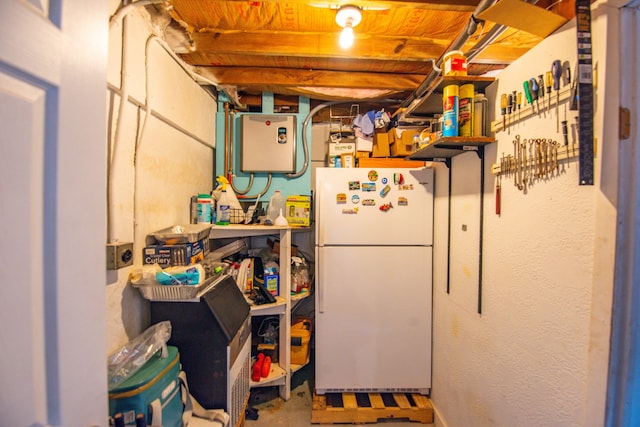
[(291, 48)]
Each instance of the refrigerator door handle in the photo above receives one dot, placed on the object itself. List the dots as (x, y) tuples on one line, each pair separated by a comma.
[(319, 287)]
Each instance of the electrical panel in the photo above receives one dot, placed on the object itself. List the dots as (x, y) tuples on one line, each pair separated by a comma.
[(268, 143)]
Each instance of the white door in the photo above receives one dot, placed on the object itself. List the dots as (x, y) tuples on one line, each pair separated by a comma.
[(373, 318), (384, 206), (52, 212)]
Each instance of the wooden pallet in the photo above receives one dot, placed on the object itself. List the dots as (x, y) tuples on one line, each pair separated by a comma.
[(360, 408)]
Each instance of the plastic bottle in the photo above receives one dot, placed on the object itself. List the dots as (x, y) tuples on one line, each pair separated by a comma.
[(204, 209), (277, 202), (223, 209)]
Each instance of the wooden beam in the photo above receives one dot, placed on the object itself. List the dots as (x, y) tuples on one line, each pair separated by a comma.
[(259, 77), (457, 5), (315, 45), (397, 66)]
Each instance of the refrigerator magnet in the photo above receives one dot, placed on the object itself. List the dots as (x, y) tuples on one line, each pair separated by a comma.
[(354, 185), (385, 191), (373, 175), (386, 207), (368, 186), (398, 179), (405, 187), (350, 211), (341, 198), (368, 202), (355, 199), (384, 180), (402, 201)]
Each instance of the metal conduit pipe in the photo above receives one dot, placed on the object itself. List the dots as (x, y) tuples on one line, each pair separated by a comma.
[(225, 167), (460, 40), (305, 148)]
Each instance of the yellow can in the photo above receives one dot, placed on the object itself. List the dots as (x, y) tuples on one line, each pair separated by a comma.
[(450, 110), (454, 63), (465, 110)]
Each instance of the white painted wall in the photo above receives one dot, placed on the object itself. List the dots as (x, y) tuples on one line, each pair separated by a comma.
[(171, 165), (537, 355)]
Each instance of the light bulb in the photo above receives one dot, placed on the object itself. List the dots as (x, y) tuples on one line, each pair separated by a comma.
[(346, 38)]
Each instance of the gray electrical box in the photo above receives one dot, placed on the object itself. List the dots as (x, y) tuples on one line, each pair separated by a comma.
[(268, 143)]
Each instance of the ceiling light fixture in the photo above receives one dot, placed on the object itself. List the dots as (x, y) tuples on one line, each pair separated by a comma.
[(348, 17)]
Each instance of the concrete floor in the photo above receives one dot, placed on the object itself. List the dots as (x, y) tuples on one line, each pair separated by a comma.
[(273, 411)]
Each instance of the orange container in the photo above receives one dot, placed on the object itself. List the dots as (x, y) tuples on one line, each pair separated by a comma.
[(300, 337), (454, 63)]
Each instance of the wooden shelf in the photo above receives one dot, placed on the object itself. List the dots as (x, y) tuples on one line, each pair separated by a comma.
[(480, 83), (274, 308), (447, 147), (277, 376)]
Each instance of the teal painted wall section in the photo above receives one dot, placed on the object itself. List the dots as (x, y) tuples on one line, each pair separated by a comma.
[(287, 186)]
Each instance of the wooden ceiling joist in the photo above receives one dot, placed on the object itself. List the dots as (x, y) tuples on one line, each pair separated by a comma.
[(256, 77), (315, 45)]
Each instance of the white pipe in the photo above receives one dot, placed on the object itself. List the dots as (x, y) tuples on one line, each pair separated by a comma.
[(117, 138), (125, 10)]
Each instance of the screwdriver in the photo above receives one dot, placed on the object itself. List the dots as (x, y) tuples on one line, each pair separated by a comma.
[(527, 93), (548, 78), (510, 107), (541, 90), (556, 71), (534, 91), (503, 109), (566, 81), (519, 102)]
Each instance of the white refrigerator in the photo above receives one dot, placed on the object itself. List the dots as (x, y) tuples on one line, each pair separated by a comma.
[(374, 235)]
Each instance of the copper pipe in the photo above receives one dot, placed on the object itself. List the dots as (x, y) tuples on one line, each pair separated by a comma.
[(226, 136), (230, 170)]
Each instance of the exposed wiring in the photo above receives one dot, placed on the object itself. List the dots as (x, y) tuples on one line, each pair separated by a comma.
[(305, 148), (238, 191), (264, 190)]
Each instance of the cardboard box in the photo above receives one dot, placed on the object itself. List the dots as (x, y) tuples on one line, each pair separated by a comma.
[(272, 283), (275, 247), (175, 255), (298, 211), (405, 145), (375, 162), (382, 142), (344, 147), (341, 152)]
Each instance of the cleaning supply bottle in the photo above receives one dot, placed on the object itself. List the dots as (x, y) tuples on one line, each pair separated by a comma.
[(277, 203), (223, 209)]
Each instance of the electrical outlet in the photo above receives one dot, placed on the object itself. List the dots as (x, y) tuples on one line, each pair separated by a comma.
[(119, 255)]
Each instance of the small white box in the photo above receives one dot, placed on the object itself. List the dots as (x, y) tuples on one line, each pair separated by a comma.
[(339, 148)]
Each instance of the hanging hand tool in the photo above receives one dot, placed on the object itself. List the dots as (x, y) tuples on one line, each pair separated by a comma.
[(503, 109), (510, 106), (548, 81), (566, 81), (566, 73), (498, 185), (534, 91), (541, 90), (513, 106), (527, 93), (556, 71), (519, 103)]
